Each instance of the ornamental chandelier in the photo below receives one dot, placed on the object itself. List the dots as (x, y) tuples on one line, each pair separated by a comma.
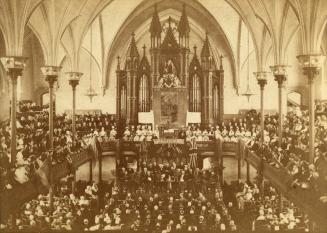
[(90, 92)]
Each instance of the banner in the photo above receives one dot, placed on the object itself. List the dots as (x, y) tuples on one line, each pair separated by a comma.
[(146, 118), (193, 118), (168, 141)]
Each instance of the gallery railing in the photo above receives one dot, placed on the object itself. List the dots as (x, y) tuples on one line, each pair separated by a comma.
[(307, 200), (12, 199)]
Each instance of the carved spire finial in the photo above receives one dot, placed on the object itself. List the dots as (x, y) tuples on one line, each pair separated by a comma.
[(155, 27), (221, 61), (169, 21), (206, 47), (132, 49), (118, 62), (144, 48), (184, 27)]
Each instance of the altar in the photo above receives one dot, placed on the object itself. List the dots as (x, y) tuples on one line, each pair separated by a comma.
[(170, 107)]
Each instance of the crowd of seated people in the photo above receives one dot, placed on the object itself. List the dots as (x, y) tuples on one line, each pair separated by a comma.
[(140, 133), (33, 141), (131, 208), (32, 144), (168, 197), (69, 210), (152, 176), (142, 199), (291, 154), (229, 131), (101, 123), (30, 106), (266, 208), (125, 207)]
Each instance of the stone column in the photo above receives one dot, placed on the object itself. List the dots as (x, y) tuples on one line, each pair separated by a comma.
[(118, 94), (73, 78), (262, 81), (91, 171), (247, 171), (51, 75), (311, 64), (239, 172), (220, 161), (14, 67), (280, 74)]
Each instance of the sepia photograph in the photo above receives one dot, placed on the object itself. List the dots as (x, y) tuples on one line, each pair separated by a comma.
[(163, 116)]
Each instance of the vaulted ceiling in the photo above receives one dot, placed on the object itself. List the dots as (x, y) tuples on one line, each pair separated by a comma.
[(63, 28)]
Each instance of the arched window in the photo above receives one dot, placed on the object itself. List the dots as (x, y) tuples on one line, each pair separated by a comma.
[(195, 94), (215, 101), (123, 101), (294, 98), (2, 82), (45, 99), (143, 94)]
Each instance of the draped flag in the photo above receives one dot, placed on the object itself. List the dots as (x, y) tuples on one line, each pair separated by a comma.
[(193, 153), (43, 173), (193, 159)]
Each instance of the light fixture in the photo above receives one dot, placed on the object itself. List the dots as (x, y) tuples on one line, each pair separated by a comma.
[(248, 93), (90, 92)]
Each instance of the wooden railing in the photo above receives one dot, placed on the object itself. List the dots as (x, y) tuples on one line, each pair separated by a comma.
[(109, 146), (307, 200), (129, 146), (63, 169), (133, 147), (206, 146), (11, 200)]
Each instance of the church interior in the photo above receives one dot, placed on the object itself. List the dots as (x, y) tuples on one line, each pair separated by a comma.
[(163, 115)]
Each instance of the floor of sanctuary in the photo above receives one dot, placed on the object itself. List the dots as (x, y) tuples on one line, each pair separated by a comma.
[(108, 168), (83, 172)]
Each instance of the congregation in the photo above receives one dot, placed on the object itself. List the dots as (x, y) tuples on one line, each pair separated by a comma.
[(129, 205), (33, 141)]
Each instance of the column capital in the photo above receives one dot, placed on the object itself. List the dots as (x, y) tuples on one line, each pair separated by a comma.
[(261, 77), (73, 78), (311, 60), (14, 65), (280, 73), (311, 64), (51, 73)]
